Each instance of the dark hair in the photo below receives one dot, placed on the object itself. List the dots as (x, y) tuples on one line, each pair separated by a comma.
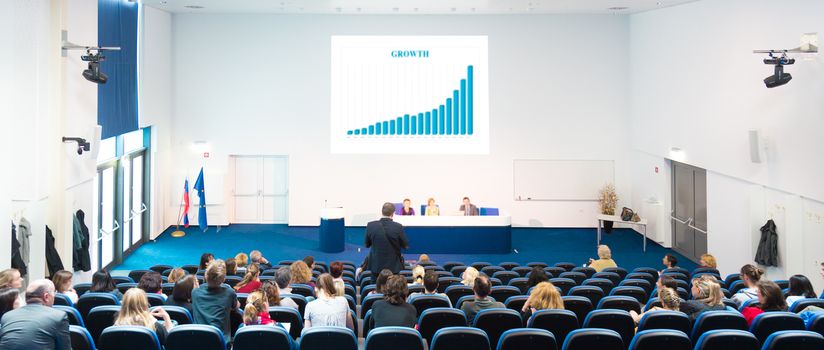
[(537, 275), (395, 290), (102, 282), (150, 282), (336, 269), (668, 281), (7, 298), (183, 288), (800, 285), (309, 260), (752, 272), (283, 276), (381, 280), (672, 260), (482, 288), (270, 289), (466, 198), (773, 298), (388, 209), (59, 278), (204, 260), (430, 281), (231, 266)]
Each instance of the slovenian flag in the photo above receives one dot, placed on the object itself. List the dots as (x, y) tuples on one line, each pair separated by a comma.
[(186, 203), (200, 187)]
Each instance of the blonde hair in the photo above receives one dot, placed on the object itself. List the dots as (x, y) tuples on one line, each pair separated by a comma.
[(7, 276), (430, 201), (545, 296), (469, 275), (709, 261), (215, 273), (60, 278), (256, 303), (300, 272), (423, 257), (134, 310), (709, 291), (252, 274), (176, 274), (417, 274), (604, 252), (669, 298), (242, 259)]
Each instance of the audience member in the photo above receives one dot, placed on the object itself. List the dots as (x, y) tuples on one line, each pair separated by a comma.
[(430, 286), (9, 300), (301, 274), (469, 275), (282, 278), (750, 275), (151, 283), (327, 309), (604, 259), (363, 267), (381, 281), (800, 288), (385, 238), (257, 258), (393, 310), (407, 209), (431, 208), (242, 261), (256, 311), (63, 284), (134, 311), (205, 259), (543, 296), (36, 325), (336, 270), (175, 275), (424, 258), (669, 261), (272, 294), (669, 301), (482, 288), (417, 274), (467, 208), (707, 260), (769, 297), (231, 267), (102, 282), (707, 296), (309, 261), (537, 275), (182, 292), (11, 278), (213, 302), (251, 280), (666, 281)]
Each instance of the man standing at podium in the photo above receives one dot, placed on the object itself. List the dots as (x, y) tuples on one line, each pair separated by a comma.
[(468, 208), (386, 238)]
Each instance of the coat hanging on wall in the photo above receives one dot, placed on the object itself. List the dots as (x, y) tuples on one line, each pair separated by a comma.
[(23, 234), (767, 253), (80, 252), (52, 258), (16, 260)]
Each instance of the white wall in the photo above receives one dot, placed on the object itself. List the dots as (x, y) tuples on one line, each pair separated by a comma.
[(258, 84), (696, 85)]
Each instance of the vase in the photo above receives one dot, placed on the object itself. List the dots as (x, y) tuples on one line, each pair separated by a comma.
[(608, 226)]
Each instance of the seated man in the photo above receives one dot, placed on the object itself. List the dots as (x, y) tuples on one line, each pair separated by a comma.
[(482, 288), (36, 325), (430, 286), (213, 303), (468, 209)]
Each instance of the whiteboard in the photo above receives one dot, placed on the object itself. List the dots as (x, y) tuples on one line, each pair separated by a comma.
[(543, 179)]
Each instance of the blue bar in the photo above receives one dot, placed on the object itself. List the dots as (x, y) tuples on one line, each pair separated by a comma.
[(385, 128), (434, 122), (349, 132), (420, 123), (378, 128), (441, 117), (357, 132), (399, 128), (470, 126), (448, 116), (414, 125), (392, 127), (363, 131), (456, 113), (406, 124), (463, 106), (428, 123), (371, 130)]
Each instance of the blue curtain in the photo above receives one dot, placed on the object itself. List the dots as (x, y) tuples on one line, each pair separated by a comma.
[(117, 99)]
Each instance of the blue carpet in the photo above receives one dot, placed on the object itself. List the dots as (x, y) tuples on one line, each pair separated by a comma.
[(281, 242)]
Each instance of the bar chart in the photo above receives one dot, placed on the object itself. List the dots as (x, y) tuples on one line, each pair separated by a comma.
[(424, 95)]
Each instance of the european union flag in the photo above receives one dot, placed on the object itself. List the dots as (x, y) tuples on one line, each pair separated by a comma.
[(200, 187)]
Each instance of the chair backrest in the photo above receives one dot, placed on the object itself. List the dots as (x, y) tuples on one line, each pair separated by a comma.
[(747, 303), (300, 300), (124, 286), (527, 339), (678, 269), (466, 298), (524, 270), (616, 320), (506, 276), (816, 323), (479, 265), (431, 320), (445, 282), (736, 286), (516, 302), (123, 279), (509, 265), (649, 270), (603, 283), (726, 339), (646, 285), (62, 299), (559, 322), (522, 283), (638, 293), (496, 321), (155, 299), (581, 306), (504, 292), (302, 289), (585, 270), (567, 266), (177, 313), (396, 338), (665, 319), (100, 318), (135, 275), (80, 338), (720, 319), (195, 336), (285, 314), (706, 270), (489, 211), (428, 301), (646, 276), (770, 322), (794, 340), (167, 288), (612, 276), (447, 266), (801, 304), (619, 270), (655, 339), (564, 283), (324, 338), (620, 302), (366, 304), (464, 338), (491, 269), (457, 291), (593, 338), (90, 300), (262, 337), (594, 294), (128, 338), (458, 270), (74, 316), (578, 277)]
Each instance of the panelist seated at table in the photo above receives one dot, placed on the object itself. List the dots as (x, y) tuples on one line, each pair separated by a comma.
[(407, 208), (468, 209), (432, 209)]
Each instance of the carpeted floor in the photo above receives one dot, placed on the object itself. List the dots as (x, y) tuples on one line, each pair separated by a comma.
[(281, 242)]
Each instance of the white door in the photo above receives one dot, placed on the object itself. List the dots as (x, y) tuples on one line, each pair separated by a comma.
[(261, 189)]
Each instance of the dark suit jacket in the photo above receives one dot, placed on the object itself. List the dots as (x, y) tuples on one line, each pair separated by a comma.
[(473, 210), (386, 238), (35, 326)]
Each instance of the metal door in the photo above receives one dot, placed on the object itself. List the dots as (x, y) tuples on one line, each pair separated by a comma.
[(689, 216)]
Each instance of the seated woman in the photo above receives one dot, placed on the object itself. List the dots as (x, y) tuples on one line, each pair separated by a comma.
[(63, 284), (102, 283), (380, 282), (151, 283), (800, 288), (469, 275), (336, 270), (707, 260), (707, 296), (134, 311), (9, 300), (256, 311), (301, 274), (604, 259), (327, 309), (417, 275), (205, 259), (536, 276), (669, 301), (251, 280), (543, 296), (431, 208), (231, 267), (182, 292), (393, 310), (407, 209), (669, 262), (11, 278), (175, 275), (242, 261), (750, 275), (769, 299)]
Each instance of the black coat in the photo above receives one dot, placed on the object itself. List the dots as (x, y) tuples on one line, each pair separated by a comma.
[(81, 260), (386, 238), (767, 253), (53, 261), (17, 259)]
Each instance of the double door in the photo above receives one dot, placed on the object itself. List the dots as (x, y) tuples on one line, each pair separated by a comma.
[(261, 192), (689, 217)]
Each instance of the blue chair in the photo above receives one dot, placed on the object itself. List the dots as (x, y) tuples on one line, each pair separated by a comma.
[(457, 291), (558, 322), (527, 339), (424, 302), (603, 283), (123, 279), (637, 293), (783, 284), (396, 338), (525, 270), (90, 300), (260, 337), (579, 305), (794, 340), (653, 272), (522, 283), (285, 314), (506, 276), (616, 320), (190, 269), (644, 276), (801, 304), (491, 269), (736, 286), (726, 339), (74, 316), (497, 321), (706, 270), (516, 302), (712, 320), (567, 266), (177, 313), (125, 286), (303, 289), (63, 300), (594, 294), (368, 323), (774, 321), (504, 292), (446, 282), (509, 265), (431, 320), (678, 269), (593, 338), (469, 298), (619, 302), (155, 299), (159, 268), (135, 275), (464, 338), (324, 338), (585, 270), (100, 318), (578, 277), (551, 271), (128, 338), (489, 211), (565, 284), (195, 336), (612, 276), (458, 270), (398, 208), (644, 284), (664, 319), (80, 338), (619, 270), (298, 299), (747, 303), (167, 288), (816, 323), (366, 304), (660, 339)]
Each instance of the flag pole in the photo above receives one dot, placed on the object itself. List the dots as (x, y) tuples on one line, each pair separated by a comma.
[(177, 233)]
